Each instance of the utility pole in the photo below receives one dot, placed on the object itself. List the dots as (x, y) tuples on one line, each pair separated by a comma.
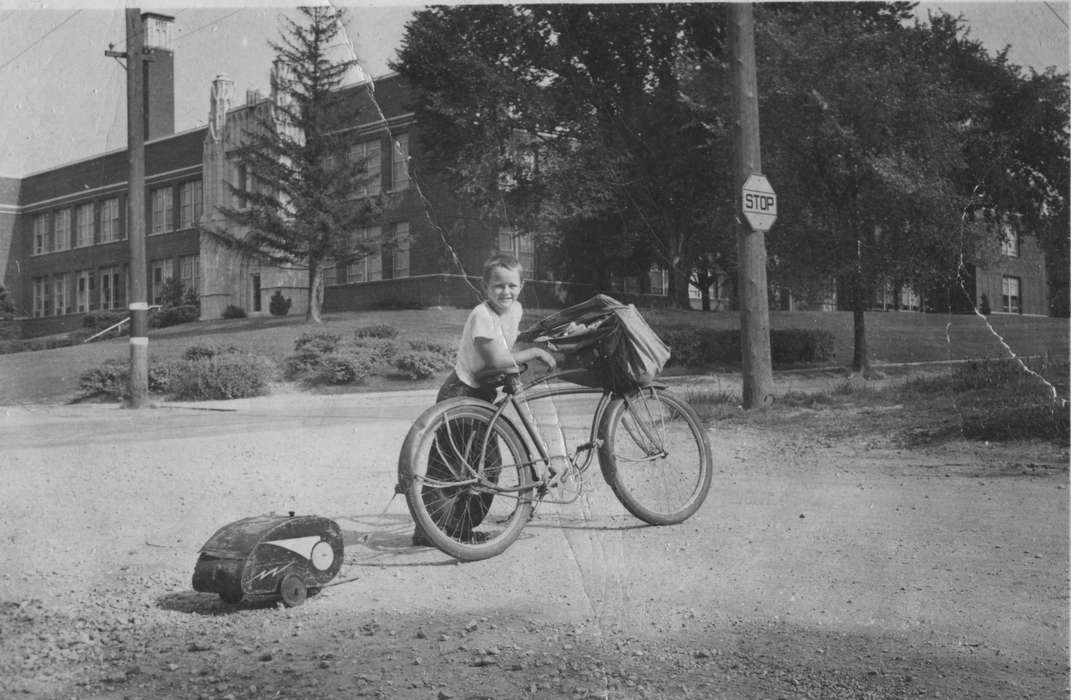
[(751, 240), (136, 55)]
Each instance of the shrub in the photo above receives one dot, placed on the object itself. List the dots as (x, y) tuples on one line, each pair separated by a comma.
[(421, 364), (377, 330), (174, 315), (201, 352), (100, 321), (447, 351), (277, 305), (109, 379), (317, 342), (319, 358), (222, 376), (346, 366), (797, 346), (112, 378), (382, 350), (233, 311), (173, 292), (695, 347), (343, 367)]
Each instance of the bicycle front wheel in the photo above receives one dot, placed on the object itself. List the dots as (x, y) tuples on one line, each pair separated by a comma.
[(655, 455), (466, 479)]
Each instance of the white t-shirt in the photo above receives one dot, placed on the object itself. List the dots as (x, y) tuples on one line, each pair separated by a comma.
[(483, 322)]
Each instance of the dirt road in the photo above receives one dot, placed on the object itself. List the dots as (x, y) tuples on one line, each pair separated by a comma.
[(816, 568)]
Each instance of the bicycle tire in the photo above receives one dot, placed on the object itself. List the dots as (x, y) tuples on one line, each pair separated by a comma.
[(466, 520), (655, 455)]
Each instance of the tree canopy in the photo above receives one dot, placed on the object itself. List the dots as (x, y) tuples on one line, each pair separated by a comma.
[(897, 148)]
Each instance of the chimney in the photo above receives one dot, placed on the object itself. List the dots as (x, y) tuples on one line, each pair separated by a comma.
[(159, 76)]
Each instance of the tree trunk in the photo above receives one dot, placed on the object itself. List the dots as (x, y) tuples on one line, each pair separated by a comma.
[(679, 288), (860, 360), (703, 279), (316, 294)]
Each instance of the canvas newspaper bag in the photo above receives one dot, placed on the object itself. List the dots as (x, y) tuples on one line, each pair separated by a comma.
[(609, 339)]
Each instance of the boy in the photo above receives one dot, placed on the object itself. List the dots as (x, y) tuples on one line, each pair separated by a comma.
[(487, 341)]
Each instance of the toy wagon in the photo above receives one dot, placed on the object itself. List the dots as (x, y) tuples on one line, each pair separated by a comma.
[(289, 556)]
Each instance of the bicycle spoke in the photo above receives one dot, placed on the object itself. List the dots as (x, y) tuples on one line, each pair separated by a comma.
[(656, 457), (472, 495)]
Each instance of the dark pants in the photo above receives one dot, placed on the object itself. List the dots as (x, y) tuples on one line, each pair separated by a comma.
[(456, 513)]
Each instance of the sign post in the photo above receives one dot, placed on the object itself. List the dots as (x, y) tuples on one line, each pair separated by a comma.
[(756, 203)]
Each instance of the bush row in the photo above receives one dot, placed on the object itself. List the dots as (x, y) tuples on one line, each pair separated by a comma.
[(204, 373), (325, 358), (694, 347)]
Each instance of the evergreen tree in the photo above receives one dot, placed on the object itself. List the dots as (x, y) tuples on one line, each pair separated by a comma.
[(299, 206)]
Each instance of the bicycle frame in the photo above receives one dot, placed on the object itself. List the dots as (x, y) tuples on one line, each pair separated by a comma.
[(520, 395)]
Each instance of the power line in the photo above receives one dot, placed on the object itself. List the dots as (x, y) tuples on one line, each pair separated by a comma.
[(1056, 14), (38, 41)]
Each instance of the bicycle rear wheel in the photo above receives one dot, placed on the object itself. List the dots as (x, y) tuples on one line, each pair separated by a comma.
[(655, 455), (466, 479)]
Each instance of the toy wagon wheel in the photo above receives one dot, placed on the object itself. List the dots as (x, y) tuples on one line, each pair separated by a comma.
[(231, 598), (292, 590)]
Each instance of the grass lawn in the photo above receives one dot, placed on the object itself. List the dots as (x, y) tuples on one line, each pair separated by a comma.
[(51, 376)]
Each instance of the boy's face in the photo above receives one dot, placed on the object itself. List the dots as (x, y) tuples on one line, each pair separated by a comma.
[(503, 288)]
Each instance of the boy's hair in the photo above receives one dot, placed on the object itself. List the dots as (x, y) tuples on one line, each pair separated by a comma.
[(501, 260)]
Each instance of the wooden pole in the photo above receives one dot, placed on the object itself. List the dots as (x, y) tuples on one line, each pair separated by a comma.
[(751, 245), (135, 125)]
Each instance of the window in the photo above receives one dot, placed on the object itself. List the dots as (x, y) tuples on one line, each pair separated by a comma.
[(909, 299), (112, 293), (256, 292), (658, 278), (85, 285), (331, 274), (41, 242), (162, 210), (159, 272), (61, 235), (401, 251), (191, 203), (83, 234), (109, 221), (368, 157), (1009, 242), (61, 293), (42, 305), (190, 273), (629, 284), (240, 181), (369, 268), (399, 172), (519, 245), (1010, 295)]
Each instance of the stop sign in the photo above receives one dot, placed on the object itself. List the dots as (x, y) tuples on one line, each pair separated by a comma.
[(759, 203)]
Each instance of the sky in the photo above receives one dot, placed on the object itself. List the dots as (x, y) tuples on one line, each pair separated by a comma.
[(65, 100)]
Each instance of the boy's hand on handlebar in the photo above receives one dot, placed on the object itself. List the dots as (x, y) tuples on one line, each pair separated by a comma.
[(547, 358)]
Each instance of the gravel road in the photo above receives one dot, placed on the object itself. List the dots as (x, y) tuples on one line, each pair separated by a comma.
[(817, 568)]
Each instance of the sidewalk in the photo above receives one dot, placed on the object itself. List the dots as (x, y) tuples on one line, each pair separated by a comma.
[(286, 399)]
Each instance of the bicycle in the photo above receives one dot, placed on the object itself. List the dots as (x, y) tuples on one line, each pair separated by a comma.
[(471, 481)]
